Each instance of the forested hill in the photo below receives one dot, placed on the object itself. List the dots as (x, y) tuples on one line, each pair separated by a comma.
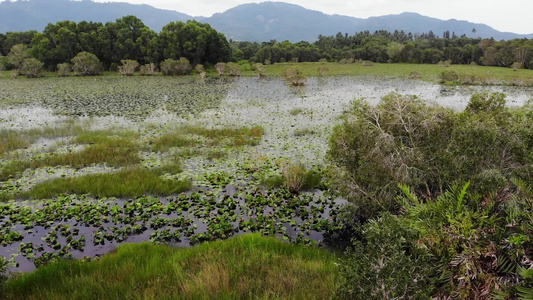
[(36, 14), (248, 22)]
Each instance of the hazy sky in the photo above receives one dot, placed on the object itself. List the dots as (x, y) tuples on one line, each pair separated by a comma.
[(503, 15)]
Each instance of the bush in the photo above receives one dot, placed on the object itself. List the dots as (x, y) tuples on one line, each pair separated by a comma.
[(386, 263), (448, 76), (221, 68), (148, 69), (323, 71), (86, 64), (128, 67), (295, 77), (63, 70), (173, 67), (404, 140), (260, 69), (31, 68), (233, 69)]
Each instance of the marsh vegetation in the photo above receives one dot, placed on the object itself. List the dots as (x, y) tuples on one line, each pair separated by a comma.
[(88, 164)]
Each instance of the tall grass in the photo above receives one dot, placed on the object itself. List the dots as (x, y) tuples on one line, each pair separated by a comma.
[(230, 136), (11, 139), (114, 152), (244, 267), (468, 74), (130, 182)]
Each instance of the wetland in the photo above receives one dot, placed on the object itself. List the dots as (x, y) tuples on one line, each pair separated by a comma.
[(90, 163)]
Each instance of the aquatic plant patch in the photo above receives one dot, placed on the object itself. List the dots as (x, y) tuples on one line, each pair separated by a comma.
[(77, 226)]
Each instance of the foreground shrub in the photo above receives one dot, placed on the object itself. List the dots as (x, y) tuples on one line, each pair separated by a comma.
[(173, 67), (404, 140), (458, 245), (386, 263), (86, 64)]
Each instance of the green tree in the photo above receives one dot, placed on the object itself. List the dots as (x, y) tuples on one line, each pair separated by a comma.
[(196, 41), (18, 54), (86, 64)]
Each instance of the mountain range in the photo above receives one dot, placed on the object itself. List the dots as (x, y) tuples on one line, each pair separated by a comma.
[(248, 22)]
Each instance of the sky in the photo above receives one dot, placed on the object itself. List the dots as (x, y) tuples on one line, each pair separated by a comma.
[(507, 16)]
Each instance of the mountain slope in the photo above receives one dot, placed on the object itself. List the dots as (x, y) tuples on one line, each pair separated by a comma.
[(36, 14), (282, 21), (248, 22)]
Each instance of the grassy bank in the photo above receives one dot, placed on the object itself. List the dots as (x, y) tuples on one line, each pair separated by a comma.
[(248, 266)]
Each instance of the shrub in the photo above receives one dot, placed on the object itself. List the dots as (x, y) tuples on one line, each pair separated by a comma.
[(173, 67), (31, 68), (516, 65), (63, 70), (17, 55), (323, 70), (128, 67), (295, 76), (148, 69), (86, 64), (260, 69), (233, 69), (448, 76), (367, 63), (404, 140), (386, 263), (221, 68)]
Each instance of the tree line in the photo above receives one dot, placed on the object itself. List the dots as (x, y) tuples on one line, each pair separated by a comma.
[(129, 39), (393, 47), (126, 39)]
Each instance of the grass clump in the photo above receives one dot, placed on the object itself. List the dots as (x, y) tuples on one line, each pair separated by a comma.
[(130, 182), (115, 152), (248, 266), (172, 140), (295, 178), (296, 111)]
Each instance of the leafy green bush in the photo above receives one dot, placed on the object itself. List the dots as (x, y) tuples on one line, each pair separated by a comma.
[(86, 64), (386, 263), (404, 140), (173, 67), (448, 76), (31, 68), (64, 69), (128, 67)]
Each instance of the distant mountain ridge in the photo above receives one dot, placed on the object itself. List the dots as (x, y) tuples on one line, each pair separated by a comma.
[(248, 22)]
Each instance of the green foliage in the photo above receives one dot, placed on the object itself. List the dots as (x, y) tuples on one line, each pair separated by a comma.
[(31, 68), (196, 41), (479, 243), (130, 182), (64, 69), (148, 69), (86, 64), (17, 55), (128, 67), (242, 267), (448, 76), (403, 140), (176, 67), (233, 69), (386, 263)]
